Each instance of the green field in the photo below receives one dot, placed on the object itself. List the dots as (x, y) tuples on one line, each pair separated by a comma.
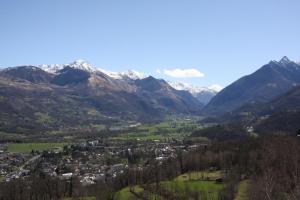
[(149, 136), (28, 147), (203, 181), (185, 183), (210, 188), (161, 131), (203, 175), (125, 194)]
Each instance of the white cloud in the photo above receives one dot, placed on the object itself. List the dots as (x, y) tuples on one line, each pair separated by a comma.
[(183, 73), (158, 71), (216, 87)]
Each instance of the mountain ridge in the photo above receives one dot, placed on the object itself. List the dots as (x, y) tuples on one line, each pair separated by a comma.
[(265, 84), (49, 101)]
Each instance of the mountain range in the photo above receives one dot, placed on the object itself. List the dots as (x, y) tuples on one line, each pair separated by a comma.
[(203, 94), (77, 94)]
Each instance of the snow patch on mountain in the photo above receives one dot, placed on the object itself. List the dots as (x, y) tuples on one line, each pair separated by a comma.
[(127, 75), (203, 94), (194, 89), (77, 64), (86, 66), (216, 87)]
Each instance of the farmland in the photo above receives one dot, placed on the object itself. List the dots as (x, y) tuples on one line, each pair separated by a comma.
[(28, 147)]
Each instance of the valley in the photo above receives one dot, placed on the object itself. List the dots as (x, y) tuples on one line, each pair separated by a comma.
[(149, 100), (83, 133)]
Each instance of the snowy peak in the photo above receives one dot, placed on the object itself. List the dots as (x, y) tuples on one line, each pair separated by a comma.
[(132, 74), (77, 64), (194, 89), (215, 87), (53, 68), (127, 75), (86, 66), (203, 94), (285, 60), (83, 65)]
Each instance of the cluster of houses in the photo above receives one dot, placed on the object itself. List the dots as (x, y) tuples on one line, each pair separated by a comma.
[(11, 165), (90, 162)]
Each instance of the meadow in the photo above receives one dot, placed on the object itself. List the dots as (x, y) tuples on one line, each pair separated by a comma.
[(185, 183), (171, 129), (28, 147)]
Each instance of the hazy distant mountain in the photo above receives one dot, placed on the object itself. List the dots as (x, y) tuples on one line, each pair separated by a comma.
[(161, 93), (264, 85), (203, 94), (78, 94)]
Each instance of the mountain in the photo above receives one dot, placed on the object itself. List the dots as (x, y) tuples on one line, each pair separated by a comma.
[(30, 73), (264, 85), (281, 115), (203, 94), (161, 93), (77, 64), (285, 122), (85, 66), (78, 95), (129, 75)]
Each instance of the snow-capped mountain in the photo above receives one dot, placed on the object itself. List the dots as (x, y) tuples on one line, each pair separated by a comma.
[(215, 87), (127, 75), (86, 66), (203, 94), (265, 84), (77, 64)]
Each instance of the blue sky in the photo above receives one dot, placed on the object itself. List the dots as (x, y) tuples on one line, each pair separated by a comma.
[(223, 40)]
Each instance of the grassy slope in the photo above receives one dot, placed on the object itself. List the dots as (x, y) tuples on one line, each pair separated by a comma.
[(242, 193), (211, 188), (189, 181), (125, 193)]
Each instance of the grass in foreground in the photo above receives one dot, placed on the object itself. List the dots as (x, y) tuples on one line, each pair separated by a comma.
[(209, 188), (242, 193), (125, 194), (80, 198), (28, 147), (183, 184)]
